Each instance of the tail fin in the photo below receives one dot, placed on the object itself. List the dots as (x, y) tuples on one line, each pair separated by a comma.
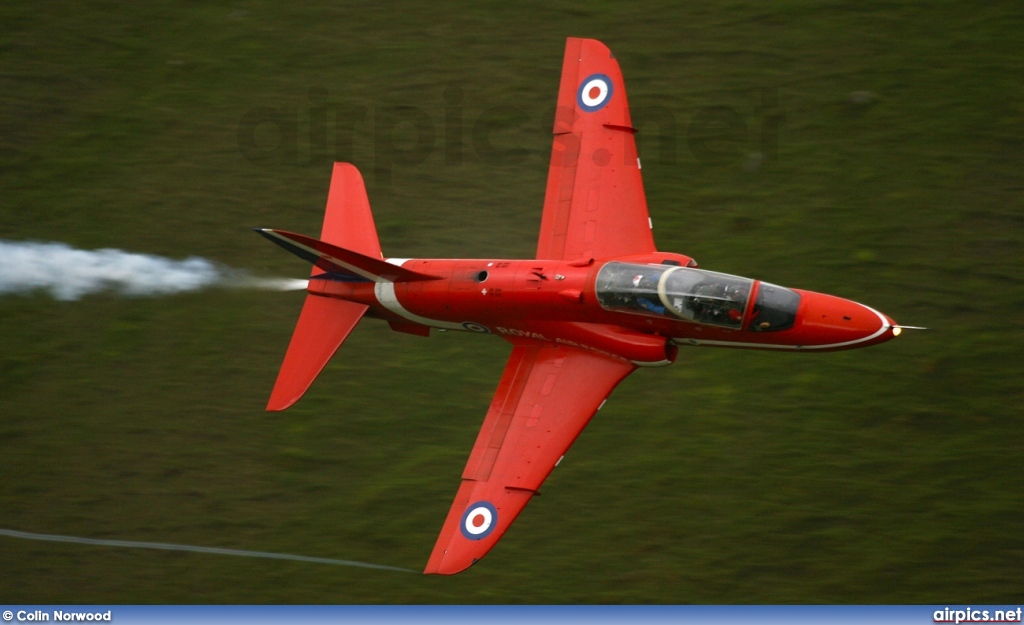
[(337, 263), (324, 324), (349, 250), (348, 222)]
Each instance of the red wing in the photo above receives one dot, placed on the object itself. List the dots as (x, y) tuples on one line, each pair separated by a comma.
[(594, 206), (546, 396)]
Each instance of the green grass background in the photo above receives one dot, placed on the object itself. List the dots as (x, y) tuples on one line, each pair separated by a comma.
[(891, 474)]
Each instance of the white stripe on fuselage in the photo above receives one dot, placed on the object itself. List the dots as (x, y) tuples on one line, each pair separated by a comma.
[(385, 292), (881, 330)]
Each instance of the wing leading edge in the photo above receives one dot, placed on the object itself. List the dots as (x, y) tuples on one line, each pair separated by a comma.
[(594, 205), (547, 395)]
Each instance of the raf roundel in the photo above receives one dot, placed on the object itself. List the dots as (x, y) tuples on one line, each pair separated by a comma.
[(479, 520), (595, 92)]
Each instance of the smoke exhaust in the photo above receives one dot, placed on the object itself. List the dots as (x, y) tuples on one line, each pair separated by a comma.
[(67, 273)]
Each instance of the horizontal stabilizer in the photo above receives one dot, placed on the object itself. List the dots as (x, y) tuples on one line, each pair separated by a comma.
[(340, 263), (324, 324)]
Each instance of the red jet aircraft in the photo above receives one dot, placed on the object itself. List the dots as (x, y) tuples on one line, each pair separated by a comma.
[(598, 301)]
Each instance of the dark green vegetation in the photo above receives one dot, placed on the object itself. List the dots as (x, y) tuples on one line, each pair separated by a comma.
[(891, 474)]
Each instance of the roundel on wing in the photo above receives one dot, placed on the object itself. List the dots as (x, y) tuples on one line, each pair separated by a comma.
[(479, 520), (595, 92)]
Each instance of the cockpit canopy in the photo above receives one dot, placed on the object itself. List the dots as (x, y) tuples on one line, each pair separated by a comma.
[(695, 295), (664, 290)]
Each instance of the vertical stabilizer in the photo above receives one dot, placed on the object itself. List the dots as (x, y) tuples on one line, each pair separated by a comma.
[(348, 222)]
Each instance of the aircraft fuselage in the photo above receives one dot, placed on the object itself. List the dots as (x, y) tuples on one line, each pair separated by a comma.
[(579, 303)]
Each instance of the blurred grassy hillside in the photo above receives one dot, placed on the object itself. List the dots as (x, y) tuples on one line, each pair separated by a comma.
[(868, 149)]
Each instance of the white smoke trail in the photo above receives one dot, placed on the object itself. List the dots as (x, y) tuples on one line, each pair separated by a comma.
[(134, 544), (68, 273)]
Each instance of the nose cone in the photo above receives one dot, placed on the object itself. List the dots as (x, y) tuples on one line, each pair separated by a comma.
[(829, 322)]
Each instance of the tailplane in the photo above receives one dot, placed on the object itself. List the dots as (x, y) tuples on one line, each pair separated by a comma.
[(348, 250), (324, 324), (348, 221)]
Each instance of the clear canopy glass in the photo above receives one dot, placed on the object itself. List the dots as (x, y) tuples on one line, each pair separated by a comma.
[(774, 309), (669, 291)]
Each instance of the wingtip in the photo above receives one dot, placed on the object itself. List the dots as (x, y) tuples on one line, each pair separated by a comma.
[(282, 401), (439, 564), (289, 387), (278, 407)]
